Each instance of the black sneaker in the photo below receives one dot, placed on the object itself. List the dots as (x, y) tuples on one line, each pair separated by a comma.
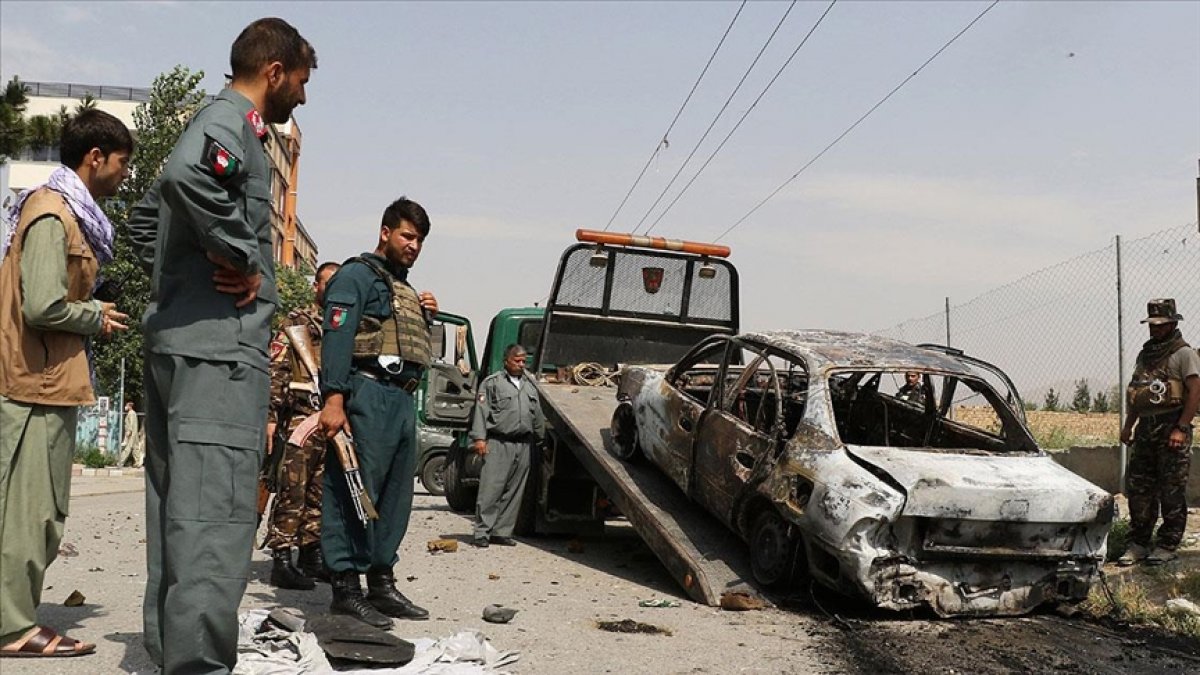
[(504, 541), (479, 542)]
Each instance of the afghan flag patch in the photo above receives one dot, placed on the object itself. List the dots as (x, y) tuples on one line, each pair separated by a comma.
[(221, 161), (337, 318)]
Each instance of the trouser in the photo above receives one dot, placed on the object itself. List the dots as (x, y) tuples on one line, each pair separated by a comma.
[(501, 486), (205, 428), (383, 421), (37, 443), (134, 445), (296, 514), (1157, 481)]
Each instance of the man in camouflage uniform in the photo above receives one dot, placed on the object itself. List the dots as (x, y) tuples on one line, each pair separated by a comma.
[(913, 389), (1162, 398), (296, 514)]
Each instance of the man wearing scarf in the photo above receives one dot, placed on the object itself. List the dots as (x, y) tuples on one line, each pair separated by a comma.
[(1162, 398), (203, 231), (57, 240)]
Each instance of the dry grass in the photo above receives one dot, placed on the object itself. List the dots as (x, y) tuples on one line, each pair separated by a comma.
[(1140, 598)]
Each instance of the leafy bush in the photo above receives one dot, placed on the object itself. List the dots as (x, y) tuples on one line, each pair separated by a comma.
[(93, 458), (1118, 540)]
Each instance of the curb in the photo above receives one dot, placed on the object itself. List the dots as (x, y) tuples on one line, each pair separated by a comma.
[(81, 470)]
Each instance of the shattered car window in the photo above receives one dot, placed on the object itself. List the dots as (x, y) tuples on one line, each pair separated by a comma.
[(884, 408)]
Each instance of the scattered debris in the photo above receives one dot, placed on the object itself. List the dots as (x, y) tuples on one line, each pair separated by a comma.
[(442, 546), (493, 577), (95, 569), (575, 546), (75, 599), (741, 601), (631, 626), (498, 614), (657, 602), (68, 551), (411, 577)]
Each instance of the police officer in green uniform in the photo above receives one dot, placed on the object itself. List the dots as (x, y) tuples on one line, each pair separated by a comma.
[(204, 233), (375, 351), (1162, 398), (508, 421)]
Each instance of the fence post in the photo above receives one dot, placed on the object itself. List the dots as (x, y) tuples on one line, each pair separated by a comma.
[(947, 321), (1120, 368)]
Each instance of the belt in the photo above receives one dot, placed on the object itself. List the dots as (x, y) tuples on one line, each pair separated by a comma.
[(1173, 416), (408, 384), (513, 438)]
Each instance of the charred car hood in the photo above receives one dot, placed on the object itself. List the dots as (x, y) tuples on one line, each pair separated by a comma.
[(972, 487)]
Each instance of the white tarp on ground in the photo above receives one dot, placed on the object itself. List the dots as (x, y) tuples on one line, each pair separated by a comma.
[(285, 652)]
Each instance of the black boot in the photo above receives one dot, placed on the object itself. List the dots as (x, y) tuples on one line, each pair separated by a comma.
[(285, 575), (382, 593), (348, 599), (312, 562)]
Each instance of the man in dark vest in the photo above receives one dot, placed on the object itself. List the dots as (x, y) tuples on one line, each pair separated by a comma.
[(375, 350), (1162, 399), (55, 244), (203, 231)]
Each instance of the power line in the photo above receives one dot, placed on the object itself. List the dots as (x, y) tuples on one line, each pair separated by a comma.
[(663, 143), (857, 122), (743, 117), (720, 112)]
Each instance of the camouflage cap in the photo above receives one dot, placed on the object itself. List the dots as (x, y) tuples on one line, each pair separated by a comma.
[(1161, 310)]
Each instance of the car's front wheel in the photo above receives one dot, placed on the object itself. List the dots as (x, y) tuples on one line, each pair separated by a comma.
[(772, 550), (624, 432), (433, 475)]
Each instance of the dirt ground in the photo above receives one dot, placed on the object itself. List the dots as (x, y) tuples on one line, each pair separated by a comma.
[(562, 595)]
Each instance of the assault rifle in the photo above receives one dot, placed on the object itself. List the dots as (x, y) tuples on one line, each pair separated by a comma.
[(342, 443)]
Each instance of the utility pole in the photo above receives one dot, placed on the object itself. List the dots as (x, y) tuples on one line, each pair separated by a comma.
[(1120, 368)]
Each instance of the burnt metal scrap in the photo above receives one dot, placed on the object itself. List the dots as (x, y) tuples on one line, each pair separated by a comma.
[(795, 441)]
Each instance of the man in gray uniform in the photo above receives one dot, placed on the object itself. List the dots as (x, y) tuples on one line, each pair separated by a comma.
[(508, 421), (204, 233)]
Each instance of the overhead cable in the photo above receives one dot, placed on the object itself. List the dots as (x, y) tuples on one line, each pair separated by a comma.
[(857, 122), (715, 119), (743, 117), (664, 142)]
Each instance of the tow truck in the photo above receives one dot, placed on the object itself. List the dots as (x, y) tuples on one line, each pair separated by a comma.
[(616, 300)]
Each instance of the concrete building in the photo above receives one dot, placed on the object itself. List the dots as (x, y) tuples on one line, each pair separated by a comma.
[(292, 242)]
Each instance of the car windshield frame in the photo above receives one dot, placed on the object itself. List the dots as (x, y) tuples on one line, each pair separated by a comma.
[(1014, 431)]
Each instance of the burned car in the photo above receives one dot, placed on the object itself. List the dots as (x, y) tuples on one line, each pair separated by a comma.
[(839, 456)]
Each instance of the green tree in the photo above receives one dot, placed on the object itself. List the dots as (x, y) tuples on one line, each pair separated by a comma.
[(12, 119), (1082, 401), (1051, 402), (174, 97), (87, 102), (42, 133), (295, 291), (1100, 403)]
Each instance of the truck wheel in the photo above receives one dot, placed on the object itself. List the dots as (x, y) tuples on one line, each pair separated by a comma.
[(460, 497), (433, 475), (772, 550), (624, 433)]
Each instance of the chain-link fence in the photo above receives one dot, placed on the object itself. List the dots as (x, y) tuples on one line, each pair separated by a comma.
[(1075, 321)]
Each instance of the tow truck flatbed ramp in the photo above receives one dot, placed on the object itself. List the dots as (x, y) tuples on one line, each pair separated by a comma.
[(700, 553)]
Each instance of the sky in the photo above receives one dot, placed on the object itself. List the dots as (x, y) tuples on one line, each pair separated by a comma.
[(1042, 132)]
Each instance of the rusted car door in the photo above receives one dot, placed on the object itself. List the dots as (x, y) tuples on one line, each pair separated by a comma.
[(686, 393), (738, 432)]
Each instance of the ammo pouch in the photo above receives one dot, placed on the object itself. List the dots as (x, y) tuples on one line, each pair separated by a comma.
[(368, 338), (1154, 396)]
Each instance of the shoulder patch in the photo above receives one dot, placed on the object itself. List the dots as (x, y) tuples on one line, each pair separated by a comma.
[(337, 317), (219, 160)]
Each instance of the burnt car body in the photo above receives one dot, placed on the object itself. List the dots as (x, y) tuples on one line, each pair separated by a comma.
[(803, 444)]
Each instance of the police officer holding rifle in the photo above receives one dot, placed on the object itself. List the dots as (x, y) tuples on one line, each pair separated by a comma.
[(374, 354)]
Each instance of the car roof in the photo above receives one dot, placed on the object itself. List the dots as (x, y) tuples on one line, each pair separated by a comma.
[(825, 349)]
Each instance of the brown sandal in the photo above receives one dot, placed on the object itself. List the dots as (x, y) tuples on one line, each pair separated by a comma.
[(42, 642)]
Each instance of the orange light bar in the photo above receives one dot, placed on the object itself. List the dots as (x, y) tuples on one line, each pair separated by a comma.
[(621, 239)]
